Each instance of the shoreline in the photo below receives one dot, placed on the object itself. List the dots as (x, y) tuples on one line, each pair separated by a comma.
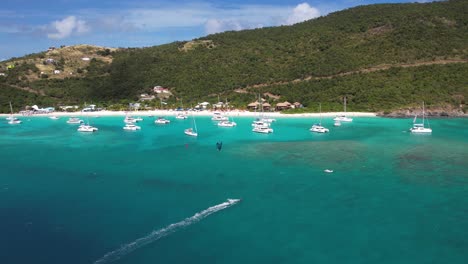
[(201, 113)]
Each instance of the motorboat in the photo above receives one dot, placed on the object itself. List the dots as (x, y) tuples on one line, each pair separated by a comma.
[(74, 120), (227, 124), (131, 127), (162, 120), (318, 128), (343, 118), (53, 117), (190, 132), (138, 119), (262, 129), (129, 120), (337, 123), (87, 128), (218, 116), (258, 123), (268, 120), (328, 171), (14, 121)]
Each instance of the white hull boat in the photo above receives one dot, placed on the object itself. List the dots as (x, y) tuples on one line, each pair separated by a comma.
[(227, 124), (343, 117), (317, 128), (131, 127), (190, 132), (419, 128), (162, 121), (74, 120), (262, 129), (87, 128)]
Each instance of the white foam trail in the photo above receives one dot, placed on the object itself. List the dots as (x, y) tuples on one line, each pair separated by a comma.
[(157, 234)]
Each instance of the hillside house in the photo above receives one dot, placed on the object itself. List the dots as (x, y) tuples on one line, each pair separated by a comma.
[(160, 89), (147, 97)]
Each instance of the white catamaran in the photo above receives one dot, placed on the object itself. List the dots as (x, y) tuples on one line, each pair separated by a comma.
[(318, 128), (343, 117), (419, 127)]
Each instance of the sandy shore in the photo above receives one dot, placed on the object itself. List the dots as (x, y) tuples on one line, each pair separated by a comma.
[(201, 113)]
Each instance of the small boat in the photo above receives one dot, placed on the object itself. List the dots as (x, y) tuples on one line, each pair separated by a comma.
[(53, 117), (268, 120), (129, 120), (257, 123), (14, 121), (227, 124), (87, 128), (161, 120), (74, 120), (190, 132), (11, 119), (337, 123), (262, 129), (131, 127), (218, 116), (419, 128), (233, 201), (328, 171), (343, 118), (318, 128)]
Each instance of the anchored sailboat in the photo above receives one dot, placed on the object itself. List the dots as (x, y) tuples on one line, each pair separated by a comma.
[(419, 127), (343, 118), (193, 130), (318, 128), (11, 119)]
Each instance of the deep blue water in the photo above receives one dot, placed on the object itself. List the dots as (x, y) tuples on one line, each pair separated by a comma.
[(394, 197)]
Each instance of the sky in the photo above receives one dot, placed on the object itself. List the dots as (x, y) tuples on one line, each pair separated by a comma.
[(30, 26)]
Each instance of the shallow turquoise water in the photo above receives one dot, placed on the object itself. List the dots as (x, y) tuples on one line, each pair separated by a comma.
[(394, 197)]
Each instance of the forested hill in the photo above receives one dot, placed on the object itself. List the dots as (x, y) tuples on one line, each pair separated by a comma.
[(382, 57)]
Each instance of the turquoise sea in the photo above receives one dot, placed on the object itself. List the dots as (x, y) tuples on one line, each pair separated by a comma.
[(133, 197)]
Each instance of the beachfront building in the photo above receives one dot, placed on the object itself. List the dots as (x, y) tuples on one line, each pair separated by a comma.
[(266, 106), (283, 106), (253, 106), (256, 106), (297, 105)]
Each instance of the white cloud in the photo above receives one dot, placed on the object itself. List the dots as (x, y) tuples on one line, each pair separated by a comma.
[(213, 26), (64, 28), (302, 12)]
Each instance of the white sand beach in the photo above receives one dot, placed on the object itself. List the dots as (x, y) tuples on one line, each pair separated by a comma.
[(239, 113)]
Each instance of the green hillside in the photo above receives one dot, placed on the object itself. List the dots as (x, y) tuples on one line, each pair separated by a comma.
[(382, 57)]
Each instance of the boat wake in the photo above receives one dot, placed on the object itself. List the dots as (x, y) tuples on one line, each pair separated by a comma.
[(157, 234)]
